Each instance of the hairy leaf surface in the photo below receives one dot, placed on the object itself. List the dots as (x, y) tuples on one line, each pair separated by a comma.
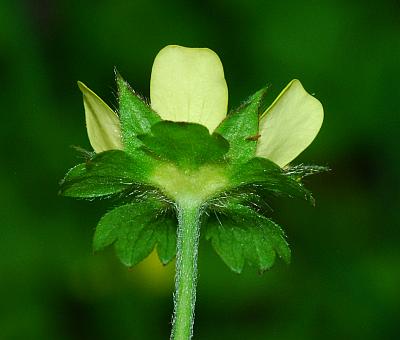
[(135, 229), (239, 235), (105, 174)]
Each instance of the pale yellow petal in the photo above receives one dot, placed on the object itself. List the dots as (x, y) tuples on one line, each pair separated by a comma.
[(102, 123), (289, 125), (188, 84)]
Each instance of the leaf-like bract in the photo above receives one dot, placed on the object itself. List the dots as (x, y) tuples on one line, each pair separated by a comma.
[(266, 178), (240, 235), (105, 174), (135, 229)]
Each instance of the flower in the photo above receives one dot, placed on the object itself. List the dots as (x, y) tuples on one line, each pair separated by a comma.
[(188, 85), (168, 168), (183, 154)]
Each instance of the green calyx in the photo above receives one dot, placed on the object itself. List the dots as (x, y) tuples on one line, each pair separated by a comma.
[(167, 165), (190, 186)]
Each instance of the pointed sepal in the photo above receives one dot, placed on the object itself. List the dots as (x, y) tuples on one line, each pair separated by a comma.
[(240, 235), (135, 229), (240, 128), (136, 115)]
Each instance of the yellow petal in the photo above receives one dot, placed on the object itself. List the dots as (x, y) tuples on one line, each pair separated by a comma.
[(289, 125), (188, 85), (102, 123)]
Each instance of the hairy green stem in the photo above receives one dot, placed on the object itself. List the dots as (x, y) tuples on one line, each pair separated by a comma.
[(186, 271)]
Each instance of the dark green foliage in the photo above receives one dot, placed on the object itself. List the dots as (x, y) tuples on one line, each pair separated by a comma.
[(135, 114), (135, 229), (240, 128), (240, 235), (188, 145), (105, 174)]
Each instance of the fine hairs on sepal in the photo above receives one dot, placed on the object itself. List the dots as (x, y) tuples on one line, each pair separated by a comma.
[(302, 170)]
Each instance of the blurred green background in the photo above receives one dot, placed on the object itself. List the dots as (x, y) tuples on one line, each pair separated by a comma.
[(344, 280)]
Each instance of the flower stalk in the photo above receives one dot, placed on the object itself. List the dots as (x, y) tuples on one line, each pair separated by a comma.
[(188, 234)]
